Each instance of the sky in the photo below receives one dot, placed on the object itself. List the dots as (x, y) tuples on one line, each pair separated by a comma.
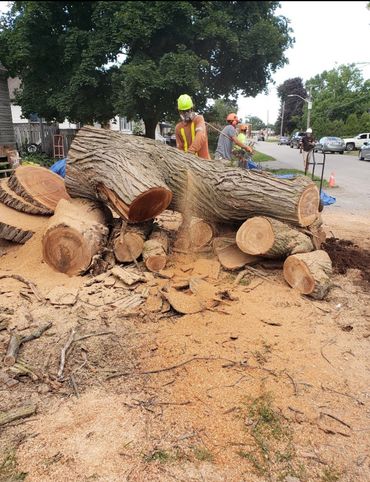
[(327, 34)]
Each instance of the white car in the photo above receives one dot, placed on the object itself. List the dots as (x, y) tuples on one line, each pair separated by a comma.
[(364, 153)]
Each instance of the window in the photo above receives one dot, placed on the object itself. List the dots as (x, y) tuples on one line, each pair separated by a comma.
[(124, 124)]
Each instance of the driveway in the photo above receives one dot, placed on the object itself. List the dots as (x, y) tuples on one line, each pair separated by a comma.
[(352, 177)]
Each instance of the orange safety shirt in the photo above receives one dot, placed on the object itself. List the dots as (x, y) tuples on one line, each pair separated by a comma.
[(192, 137)]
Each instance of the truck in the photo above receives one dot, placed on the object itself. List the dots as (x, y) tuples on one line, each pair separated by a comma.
[(357, 142)]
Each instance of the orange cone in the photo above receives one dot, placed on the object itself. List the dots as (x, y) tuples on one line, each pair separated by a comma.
[(332, 180)]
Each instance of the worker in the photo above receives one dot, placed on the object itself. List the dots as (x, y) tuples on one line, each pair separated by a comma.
[(306, 148), (191, 133), (228, 138), (238, 151)]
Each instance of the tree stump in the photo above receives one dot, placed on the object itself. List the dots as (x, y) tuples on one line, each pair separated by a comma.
[(263, 236), (39, 186), (309, 273), (75, 234)]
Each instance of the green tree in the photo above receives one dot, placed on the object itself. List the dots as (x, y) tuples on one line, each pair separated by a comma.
[(257, 123), (293, 106), (340, 94), (60, 51), (63, 53), (218, 112)]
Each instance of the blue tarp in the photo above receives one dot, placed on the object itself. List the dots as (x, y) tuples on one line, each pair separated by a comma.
[(59, 167)]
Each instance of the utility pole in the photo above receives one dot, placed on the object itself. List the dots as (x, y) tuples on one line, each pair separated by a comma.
[(309, 107), (282, 119)]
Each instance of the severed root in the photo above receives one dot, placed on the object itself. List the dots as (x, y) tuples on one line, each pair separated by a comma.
[(16, 341)]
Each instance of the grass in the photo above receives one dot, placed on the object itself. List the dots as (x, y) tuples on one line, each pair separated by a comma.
[(297, 172), (330, 475), (271, 453), (8, 468), (167, 456), (260, 157), (203, 454)]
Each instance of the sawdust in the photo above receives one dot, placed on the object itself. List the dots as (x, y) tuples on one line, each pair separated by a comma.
[(182, 410)]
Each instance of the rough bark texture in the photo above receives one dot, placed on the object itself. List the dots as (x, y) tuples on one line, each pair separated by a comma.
[(129, 244), (11, 199), (155, 250), (75, 234), (132, 166), (107, 166), (39, 186), (263, 236), (309, 273), (18, 227)]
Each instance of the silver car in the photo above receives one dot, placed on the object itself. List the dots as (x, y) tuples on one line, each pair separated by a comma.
[(330, 144), (364, 153)]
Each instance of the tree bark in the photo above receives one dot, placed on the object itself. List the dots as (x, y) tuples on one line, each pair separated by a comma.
[(200, 187), (263, 236), (309, 273), (75, 234), (155, 250), (129, 244), (39, 186), (18, 227), (11, 199), (150, 127)]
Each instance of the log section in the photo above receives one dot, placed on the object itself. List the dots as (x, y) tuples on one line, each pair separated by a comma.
[(18, 227), (11, 199), (263, 236), (155, 250), (309, 273), (136, 176), (105, 165), (129, 244), (39, 186), (75, 234)]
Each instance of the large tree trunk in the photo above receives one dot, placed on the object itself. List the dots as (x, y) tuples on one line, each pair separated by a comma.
[(75, 234), (150, 127), (309, 273), (39, 186), (107, 166), (263, 236), (104, 162)]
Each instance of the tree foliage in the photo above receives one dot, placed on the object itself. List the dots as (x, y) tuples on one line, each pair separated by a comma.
[(293, 106), (63, 53)]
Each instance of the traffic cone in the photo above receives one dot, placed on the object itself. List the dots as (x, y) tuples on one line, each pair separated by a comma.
[(332, 180)]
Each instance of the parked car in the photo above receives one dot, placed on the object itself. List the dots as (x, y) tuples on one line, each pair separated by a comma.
[(284, 141), (295, 140), (364, 153), (330, 144)]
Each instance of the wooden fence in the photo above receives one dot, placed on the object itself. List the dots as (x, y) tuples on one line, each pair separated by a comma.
[(43, 136)]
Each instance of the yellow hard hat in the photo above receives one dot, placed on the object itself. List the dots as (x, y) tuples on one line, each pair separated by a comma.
[(184, 102)]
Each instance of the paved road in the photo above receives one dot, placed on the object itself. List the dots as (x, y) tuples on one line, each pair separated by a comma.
[(352, 177)]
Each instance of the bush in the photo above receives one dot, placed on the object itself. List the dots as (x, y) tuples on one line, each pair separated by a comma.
[(39, 159)]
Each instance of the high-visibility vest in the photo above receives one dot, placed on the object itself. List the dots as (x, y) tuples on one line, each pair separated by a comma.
[(182, 132)]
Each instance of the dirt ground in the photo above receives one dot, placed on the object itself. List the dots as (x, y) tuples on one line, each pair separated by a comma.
[(267, 386)]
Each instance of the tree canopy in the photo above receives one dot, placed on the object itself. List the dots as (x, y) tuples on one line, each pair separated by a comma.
[(65, 53)]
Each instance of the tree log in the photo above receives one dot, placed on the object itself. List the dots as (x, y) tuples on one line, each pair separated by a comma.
[(18, 227), (229, 254), (39, 186), (155, 250), (200, 233), (263, 236), (75, 234), (135, 175), (104, 165), (309, 273), (129, 244), (11, 199)]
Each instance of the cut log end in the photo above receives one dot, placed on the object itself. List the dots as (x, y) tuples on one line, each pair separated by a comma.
[(65, 250), (146, 206), (201, 233), (308, 205), (255, 236), (156, 263), (128, 247), (298, 276)]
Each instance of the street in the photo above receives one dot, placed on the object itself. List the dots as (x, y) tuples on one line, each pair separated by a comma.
[(352, 177)]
